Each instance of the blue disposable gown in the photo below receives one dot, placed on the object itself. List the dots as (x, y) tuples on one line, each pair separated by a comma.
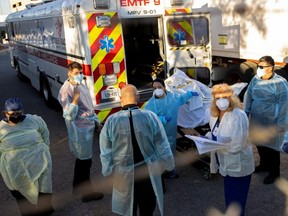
[(80, 119), (25, 161), (117, 155), (266, 101), (168, 107), (237, 159)]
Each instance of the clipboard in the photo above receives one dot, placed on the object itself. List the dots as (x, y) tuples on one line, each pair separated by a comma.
[(205, 145)]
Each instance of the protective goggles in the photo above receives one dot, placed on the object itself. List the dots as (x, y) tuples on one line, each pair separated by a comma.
[(16, 113), (261, 67)]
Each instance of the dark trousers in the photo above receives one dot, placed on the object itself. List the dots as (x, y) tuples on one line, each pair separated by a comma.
[(82, 181), (43, 207), (236, 191), (144, 197), (269, 160)]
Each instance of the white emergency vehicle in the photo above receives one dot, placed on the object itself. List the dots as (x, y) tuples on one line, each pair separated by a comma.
[(242, 32), (116, 41)]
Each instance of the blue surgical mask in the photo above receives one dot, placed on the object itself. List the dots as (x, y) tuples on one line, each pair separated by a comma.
[(78, 78)]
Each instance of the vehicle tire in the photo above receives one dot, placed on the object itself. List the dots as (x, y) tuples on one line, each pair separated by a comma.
[(46, 91), (20, 76), (282, 72), (243, 72)]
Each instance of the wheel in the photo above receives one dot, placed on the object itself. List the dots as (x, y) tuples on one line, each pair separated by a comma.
[(206, 174), (20, 76), (46, 91), (243, 72)]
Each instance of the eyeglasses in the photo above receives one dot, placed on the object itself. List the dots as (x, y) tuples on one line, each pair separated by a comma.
[(261, 67), (16, 113)]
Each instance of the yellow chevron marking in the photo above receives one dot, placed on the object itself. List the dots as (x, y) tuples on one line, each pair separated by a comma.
[(100, 55), (103, 114), (98, 85)]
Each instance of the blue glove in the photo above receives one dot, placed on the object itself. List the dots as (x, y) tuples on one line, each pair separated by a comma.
[(193, 93), (168, 118), (163, 120)]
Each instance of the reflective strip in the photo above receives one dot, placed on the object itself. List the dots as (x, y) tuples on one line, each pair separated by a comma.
[(178, 11)]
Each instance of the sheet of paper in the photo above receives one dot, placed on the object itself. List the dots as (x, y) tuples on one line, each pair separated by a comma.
[(206, 145)]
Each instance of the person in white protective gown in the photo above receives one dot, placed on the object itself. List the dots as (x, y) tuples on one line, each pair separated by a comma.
[(25, 161), (229, 124), (266, 104), (135, 151), (165, 105), (81, 121)]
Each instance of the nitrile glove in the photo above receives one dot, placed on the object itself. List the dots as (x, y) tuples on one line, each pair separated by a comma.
[(193, 93), (163, 120)]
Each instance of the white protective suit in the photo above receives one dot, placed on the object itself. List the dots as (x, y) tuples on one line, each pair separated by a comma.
[(80, 119), (266, 102), (236, 160), (195, 112), (117, 155), (25, 161)]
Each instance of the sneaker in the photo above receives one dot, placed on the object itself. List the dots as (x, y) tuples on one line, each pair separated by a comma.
[(171, 175), (92, 196), (270, 179), (47, 212)]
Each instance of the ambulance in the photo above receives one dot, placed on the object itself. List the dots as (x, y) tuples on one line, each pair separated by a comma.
[(117, 42)]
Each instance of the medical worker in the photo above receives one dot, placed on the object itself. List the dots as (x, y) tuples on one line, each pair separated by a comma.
[(81, 121), (229, 124), (25, 161), (135, 150), (166, 105), (266, 103)]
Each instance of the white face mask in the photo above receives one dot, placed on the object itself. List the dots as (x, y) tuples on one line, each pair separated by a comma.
[(222, 103), (78, 78), (260, 72), (158, 92)]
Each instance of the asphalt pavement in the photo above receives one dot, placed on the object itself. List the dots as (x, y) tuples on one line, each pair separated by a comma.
[(189, 195)]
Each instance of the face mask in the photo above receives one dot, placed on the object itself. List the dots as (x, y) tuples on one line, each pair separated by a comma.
[(222, 103), (78, 78), (15, 118), (158, 92), (260, 72)]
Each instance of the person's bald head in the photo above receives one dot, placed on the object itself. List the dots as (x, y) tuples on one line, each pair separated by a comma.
[(129, 95)]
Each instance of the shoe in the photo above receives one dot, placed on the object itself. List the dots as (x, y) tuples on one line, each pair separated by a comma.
[(171, 175), (47, 212), (270, 179), (92, 196)]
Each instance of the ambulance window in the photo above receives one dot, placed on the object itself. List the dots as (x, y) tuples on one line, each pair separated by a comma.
[(12, 29), (201, 30), (187, 31)]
